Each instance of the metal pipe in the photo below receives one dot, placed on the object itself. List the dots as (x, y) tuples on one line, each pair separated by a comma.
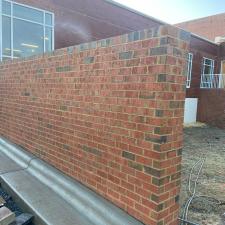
[(188, 222)]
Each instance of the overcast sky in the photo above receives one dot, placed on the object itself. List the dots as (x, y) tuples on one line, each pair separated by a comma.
[(175, 11)]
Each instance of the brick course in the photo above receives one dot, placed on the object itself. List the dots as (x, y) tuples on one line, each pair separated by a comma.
[(107, 113)]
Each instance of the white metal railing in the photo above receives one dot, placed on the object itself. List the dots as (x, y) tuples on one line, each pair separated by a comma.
[(212, 81)]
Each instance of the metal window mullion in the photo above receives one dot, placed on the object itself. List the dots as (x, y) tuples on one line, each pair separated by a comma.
[(190, 59), (203, 72), (12, 37), (53, 32), (212, 72), (188, 71), (6, 15), (12, 17), (27, 6), (30, 21), (1, 52), (190, 76), (204, 76), (44, 32)]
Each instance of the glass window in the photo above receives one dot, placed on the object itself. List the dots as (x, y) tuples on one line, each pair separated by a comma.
[(6, 58), (48, 39), (6, 36), (28, 13), (48, 19), (25, 30), (28, 38), (207, 73), (208, 66), (6, 8), (189, 71)]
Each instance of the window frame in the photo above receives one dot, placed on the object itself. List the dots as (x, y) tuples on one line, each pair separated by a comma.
[(189, 70), (211, 74), (44, 25)]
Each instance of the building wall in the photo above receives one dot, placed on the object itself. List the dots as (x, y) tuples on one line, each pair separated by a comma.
[(208, 27), (107, 113), (222, 51), (211, 104), (80, 21), (212, 107), (201, 48)]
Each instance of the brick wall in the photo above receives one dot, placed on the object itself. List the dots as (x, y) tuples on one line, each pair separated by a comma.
[(201, 48), (211, 108), (107, 113), (222, 51), (208, 27)]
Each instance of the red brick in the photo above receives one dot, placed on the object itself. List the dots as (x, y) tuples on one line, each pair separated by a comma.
[(83, 112)]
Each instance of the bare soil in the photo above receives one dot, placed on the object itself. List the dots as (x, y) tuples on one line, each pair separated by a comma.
[(209, 142)]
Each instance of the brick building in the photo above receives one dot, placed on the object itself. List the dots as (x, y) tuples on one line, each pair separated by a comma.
[(209, 49), (209, 27), (107, 112)]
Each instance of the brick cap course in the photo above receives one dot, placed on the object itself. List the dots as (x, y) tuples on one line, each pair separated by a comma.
[(160, 31)]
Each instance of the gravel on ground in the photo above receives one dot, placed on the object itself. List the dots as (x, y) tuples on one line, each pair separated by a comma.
[(208, 142)]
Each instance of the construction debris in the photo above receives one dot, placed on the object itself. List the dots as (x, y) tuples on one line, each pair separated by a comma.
[(6, 216), (20, 218), (2, 202), (23, 219)]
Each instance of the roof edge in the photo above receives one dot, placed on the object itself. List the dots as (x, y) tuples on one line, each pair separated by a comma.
[(204, 39), (200, 18), (157, 20)]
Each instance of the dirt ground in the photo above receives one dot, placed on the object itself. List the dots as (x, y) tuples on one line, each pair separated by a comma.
[(209, 142)]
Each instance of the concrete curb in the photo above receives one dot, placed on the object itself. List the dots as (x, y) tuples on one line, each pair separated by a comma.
[(16, 153), (85, 202)]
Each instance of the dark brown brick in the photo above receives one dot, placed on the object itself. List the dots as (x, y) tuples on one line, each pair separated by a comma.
[(126, 55), (160, 207), (66, 147), (152, 171), (159, 113), (177, 52), (147, 95), (177, 198), (135, 166), (161, 77), (134, 36), (158, 51), (179, 152), (91, 150), (128, 155), (160, 140), (63, 108), (155, 198), (160, 222), (157, 181), (61, 69), (88, 60)]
